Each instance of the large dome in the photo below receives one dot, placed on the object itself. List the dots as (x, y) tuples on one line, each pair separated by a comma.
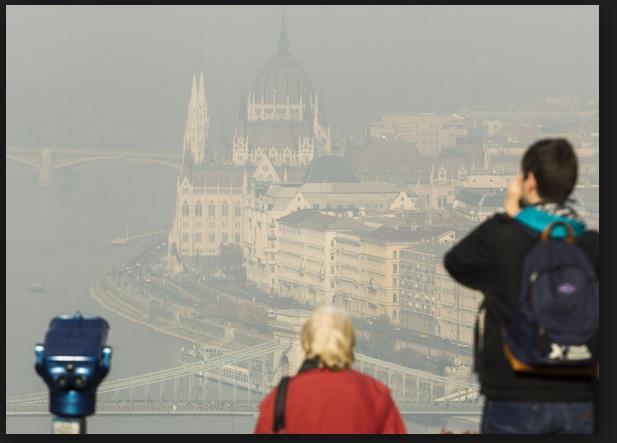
[(284, 76)]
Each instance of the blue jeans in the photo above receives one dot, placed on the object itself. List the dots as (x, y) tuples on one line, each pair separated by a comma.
[(523, 417)]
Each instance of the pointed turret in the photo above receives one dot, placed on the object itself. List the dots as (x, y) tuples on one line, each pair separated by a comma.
[(197, 122), (193, 98), (283, 43), (203, 107), (201, 93)]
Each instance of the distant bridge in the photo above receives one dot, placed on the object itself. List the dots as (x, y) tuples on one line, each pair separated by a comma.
[(121, 241), (47, 160), (250, 373)]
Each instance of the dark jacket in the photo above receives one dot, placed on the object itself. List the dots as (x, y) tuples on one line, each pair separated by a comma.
[(321, 401), (490, 259)]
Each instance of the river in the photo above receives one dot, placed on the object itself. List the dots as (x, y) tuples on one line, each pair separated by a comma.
[(60, 237)]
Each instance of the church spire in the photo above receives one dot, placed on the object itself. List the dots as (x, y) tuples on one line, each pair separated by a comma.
[(197, 122), (283, 42), (201, 92), (203, 107), (193, 98)]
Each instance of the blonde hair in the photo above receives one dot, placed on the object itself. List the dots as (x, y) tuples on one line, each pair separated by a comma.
[(329, 336)]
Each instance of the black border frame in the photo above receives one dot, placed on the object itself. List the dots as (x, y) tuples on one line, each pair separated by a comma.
[(607, 392)]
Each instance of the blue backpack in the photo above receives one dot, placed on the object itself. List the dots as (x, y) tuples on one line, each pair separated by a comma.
[(555, 330)]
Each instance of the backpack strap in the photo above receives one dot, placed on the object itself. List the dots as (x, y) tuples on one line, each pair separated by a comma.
[(547, 232), (281, 395), (279, 405)]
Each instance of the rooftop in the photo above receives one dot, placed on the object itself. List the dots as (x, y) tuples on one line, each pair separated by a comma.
[(330, 169)]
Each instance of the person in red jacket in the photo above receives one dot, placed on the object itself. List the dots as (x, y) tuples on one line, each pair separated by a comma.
[(327, 396)]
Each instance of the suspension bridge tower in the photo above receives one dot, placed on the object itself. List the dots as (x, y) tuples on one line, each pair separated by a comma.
[(288, 325)]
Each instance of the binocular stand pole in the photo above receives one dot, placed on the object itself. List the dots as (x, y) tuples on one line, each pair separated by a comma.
[(68, 425)]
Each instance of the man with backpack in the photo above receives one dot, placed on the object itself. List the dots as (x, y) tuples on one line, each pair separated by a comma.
[(536, 339)]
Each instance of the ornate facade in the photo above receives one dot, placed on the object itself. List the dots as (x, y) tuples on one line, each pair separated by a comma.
[(284, 119), (209, 198)]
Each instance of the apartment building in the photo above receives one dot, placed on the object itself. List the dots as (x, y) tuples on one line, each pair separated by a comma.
[(432, 303), (327, 259), (430, 132), (278, 200)]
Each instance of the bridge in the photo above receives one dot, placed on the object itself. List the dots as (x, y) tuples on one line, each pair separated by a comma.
[(121, 241), (234, 382), (47, 160)]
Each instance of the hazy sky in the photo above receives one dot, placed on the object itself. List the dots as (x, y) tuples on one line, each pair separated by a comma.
[(119, 76)]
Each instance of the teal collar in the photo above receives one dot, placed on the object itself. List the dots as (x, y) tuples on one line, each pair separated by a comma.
[(538, 220)]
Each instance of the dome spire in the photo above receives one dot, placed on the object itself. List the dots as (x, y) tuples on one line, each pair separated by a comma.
[(283, 42)]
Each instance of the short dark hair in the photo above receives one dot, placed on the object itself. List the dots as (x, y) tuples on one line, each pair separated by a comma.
[(555, 166)]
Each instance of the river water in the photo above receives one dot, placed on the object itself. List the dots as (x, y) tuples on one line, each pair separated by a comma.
[(59, 236)]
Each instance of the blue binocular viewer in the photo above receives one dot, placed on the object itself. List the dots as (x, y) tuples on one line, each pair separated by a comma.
[(73, 361)]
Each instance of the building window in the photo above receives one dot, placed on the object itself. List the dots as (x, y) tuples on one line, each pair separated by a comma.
[(395, 254), (332, 284), (394, 298), (198, 237), (225, 209), (198, 209), (211, 238), (237, 237), (211, 210), (185, 209), (225, 237), (238, 211), (395, 268), (185, 236)]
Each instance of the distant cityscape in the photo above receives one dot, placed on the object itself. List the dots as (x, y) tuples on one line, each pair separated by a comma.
[(363, 222)]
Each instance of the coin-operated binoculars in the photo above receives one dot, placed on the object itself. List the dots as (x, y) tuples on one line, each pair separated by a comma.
[(73, 361)]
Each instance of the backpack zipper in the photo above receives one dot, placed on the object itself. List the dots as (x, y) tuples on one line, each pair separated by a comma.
[(532, 279)]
